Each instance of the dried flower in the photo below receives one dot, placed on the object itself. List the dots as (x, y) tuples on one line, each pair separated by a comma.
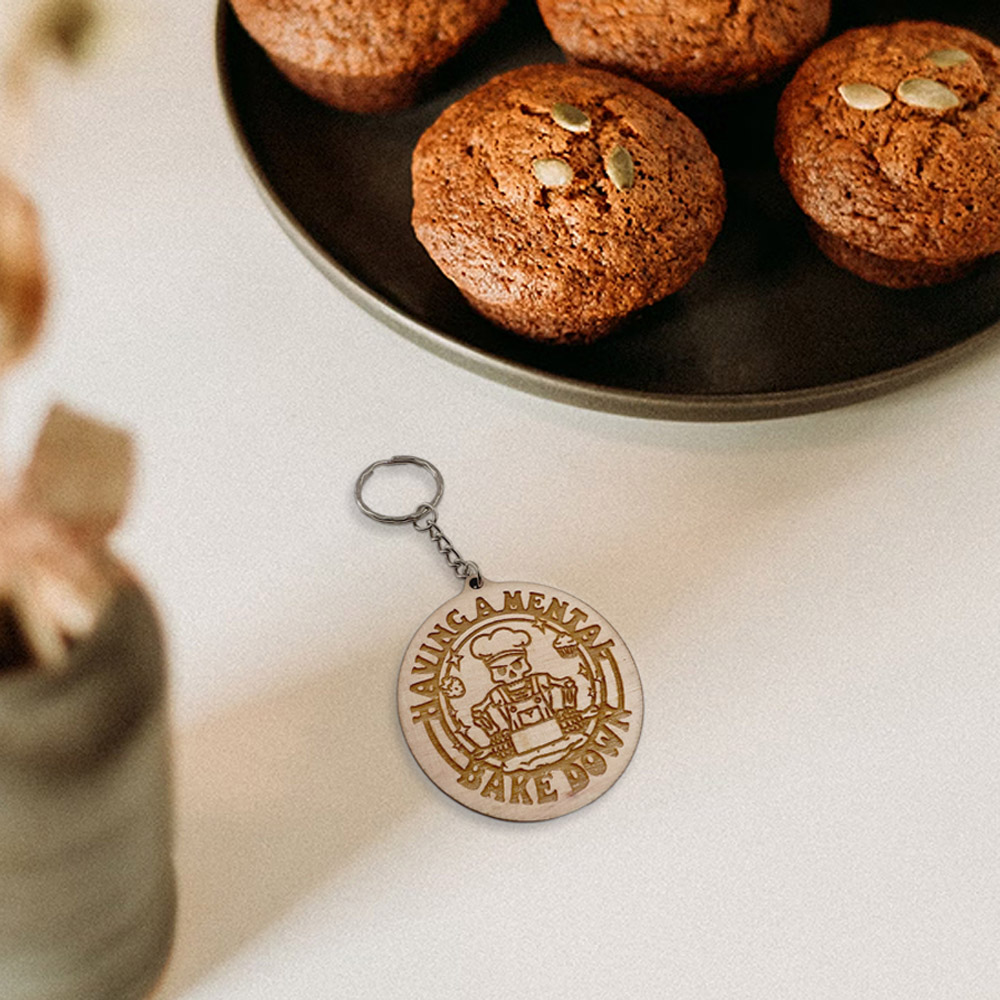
[(66, 28), (52, 590), (81, 474), (23, 282), (55, 574), (32, 31)]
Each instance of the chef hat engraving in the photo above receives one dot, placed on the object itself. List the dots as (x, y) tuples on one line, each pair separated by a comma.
[(501, 642)]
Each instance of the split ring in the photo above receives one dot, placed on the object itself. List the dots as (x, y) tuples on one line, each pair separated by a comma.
[(399, 518)]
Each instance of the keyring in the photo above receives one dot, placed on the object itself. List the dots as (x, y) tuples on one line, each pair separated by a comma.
[(517, 700), (399, 518)]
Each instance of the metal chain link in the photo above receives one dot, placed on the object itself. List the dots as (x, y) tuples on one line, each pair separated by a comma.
[(425, 519)]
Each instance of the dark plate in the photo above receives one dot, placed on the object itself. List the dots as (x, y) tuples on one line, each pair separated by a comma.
[(768, 328)]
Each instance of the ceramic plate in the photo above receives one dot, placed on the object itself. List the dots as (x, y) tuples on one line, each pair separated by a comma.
[(768, 328)]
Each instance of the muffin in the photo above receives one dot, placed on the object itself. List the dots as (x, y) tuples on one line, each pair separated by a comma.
[(560, 200), (888, 137), (688, 46), (566, 645), (363, 55)]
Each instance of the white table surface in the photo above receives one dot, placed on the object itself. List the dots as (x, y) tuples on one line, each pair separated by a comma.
[(813, 603)]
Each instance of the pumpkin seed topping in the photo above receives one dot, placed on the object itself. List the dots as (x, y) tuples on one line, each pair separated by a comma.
[(570, 117), (864, 96), (621, 168), (552, 172), (948, 58), (929, 94)]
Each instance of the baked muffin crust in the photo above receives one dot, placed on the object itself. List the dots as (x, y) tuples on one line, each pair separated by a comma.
[(363, 55), (903, 181), (558, 231), (688, 46)]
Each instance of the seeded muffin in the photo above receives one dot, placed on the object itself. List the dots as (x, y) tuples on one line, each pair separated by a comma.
[(363, 55), (688, 46), (889, 140), (561, 199)]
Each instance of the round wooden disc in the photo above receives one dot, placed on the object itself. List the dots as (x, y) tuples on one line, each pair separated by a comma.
[(520, 701)]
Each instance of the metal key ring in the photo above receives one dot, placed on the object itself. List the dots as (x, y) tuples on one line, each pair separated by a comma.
[(399, 460)]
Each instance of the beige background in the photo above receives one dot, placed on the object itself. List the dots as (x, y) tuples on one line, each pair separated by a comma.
[(814, 809)]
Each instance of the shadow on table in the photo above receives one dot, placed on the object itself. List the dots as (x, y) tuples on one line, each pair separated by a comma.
[(275, 796)]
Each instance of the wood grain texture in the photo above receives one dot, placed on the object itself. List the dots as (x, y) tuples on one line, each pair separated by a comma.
[(520, 701)]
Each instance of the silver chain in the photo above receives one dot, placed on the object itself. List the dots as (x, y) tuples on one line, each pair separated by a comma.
[(426, 520)]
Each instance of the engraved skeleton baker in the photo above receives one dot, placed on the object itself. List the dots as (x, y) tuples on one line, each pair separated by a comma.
[(530, 718)]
